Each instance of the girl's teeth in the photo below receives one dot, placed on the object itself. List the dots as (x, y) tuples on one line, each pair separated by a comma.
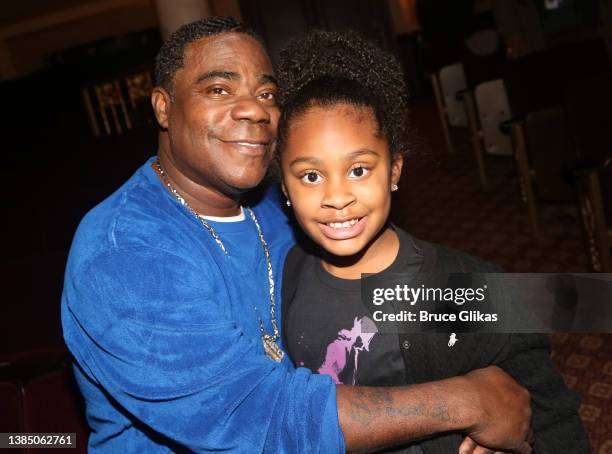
[(343, 225)]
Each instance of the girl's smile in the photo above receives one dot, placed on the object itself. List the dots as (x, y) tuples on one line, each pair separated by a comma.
[(343, 230)]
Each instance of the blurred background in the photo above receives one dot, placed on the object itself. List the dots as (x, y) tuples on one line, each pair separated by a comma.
[(511, 157)]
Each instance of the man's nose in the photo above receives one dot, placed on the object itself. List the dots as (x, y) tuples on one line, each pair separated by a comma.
[(251, 109), (338, 195)]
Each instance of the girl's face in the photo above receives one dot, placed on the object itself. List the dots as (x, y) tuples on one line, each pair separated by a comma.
[(338, 173)]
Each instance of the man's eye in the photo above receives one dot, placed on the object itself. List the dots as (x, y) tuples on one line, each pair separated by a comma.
[(311, 177), (217, 91), (358, 172)]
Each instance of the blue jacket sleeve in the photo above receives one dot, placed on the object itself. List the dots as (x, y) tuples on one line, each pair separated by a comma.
[(147, 327)]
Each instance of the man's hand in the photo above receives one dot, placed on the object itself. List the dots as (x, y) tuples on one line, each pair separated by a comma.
[(502, 413), (469, 446)]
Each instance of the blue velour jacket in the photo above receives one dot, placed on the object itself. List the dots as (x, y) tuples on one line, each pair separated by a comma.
[(164, 329)]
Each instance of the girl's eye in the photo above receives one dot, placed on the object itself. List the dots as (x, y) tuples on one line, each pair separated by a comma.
[(268, 96), (311, 177), (358, 172)]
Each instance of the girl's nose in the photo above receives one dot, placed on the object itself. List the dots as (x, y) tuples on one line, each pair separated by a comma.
[(338, 196)]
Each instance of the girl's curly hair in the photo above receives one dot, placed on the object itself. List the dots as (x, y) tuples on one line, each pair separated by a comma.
[(327, 68)]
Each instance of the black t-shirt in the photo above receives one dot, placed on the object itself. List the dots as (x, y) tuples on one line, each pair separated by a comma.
[(330, 331)]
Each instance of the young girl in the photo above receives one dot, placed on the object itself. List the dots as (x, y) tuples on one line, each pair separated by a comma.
[(341, 142)]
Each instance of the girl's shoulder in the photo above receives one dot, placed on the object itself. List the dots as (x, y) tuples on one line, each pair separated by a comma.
[(296, 257), (443, 259)]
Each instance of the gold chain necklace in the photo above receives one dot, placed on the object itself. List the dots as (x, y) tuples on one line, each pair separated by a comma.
[(273, 351)]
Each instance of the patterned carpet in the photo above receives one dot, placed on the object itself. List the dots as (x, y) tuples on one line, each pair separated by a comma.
[(586, 364), (440, 200)]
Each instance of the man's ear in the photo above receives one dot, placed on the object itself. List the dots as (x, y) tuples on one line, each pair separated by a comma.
[(396, 168), (161, 101)]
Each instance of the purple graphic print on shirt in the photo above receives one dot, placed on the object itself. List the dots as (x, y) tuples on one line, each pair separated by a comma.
[(342, 355)]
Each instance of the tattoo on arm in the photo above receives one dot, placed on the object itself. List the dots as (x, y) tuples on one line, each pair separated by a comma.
[(367, 404)]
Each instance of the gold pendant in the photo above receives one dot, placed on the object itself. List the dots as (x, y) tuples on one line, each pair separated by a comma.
[(271, 348)]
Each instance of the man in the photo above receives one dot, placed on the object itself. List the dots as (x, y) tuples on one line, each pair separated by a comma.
[(169, 299)]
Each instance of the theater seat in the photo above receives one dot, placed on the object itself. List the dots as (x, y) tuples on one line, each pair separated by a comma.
[(10, 407), (38, 395)]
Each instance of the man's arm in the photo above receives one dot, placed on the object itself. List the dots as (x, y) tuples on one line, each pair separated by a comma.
[(486, 404), (149, 328)]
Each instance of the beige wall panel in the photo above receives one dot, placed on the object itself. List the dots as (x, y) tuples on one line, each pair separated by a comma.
[(29, 50)]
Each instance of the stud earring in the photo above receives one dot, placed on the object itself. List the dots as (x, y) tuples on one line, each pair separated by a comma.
[(394, 187), (288, 202)]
